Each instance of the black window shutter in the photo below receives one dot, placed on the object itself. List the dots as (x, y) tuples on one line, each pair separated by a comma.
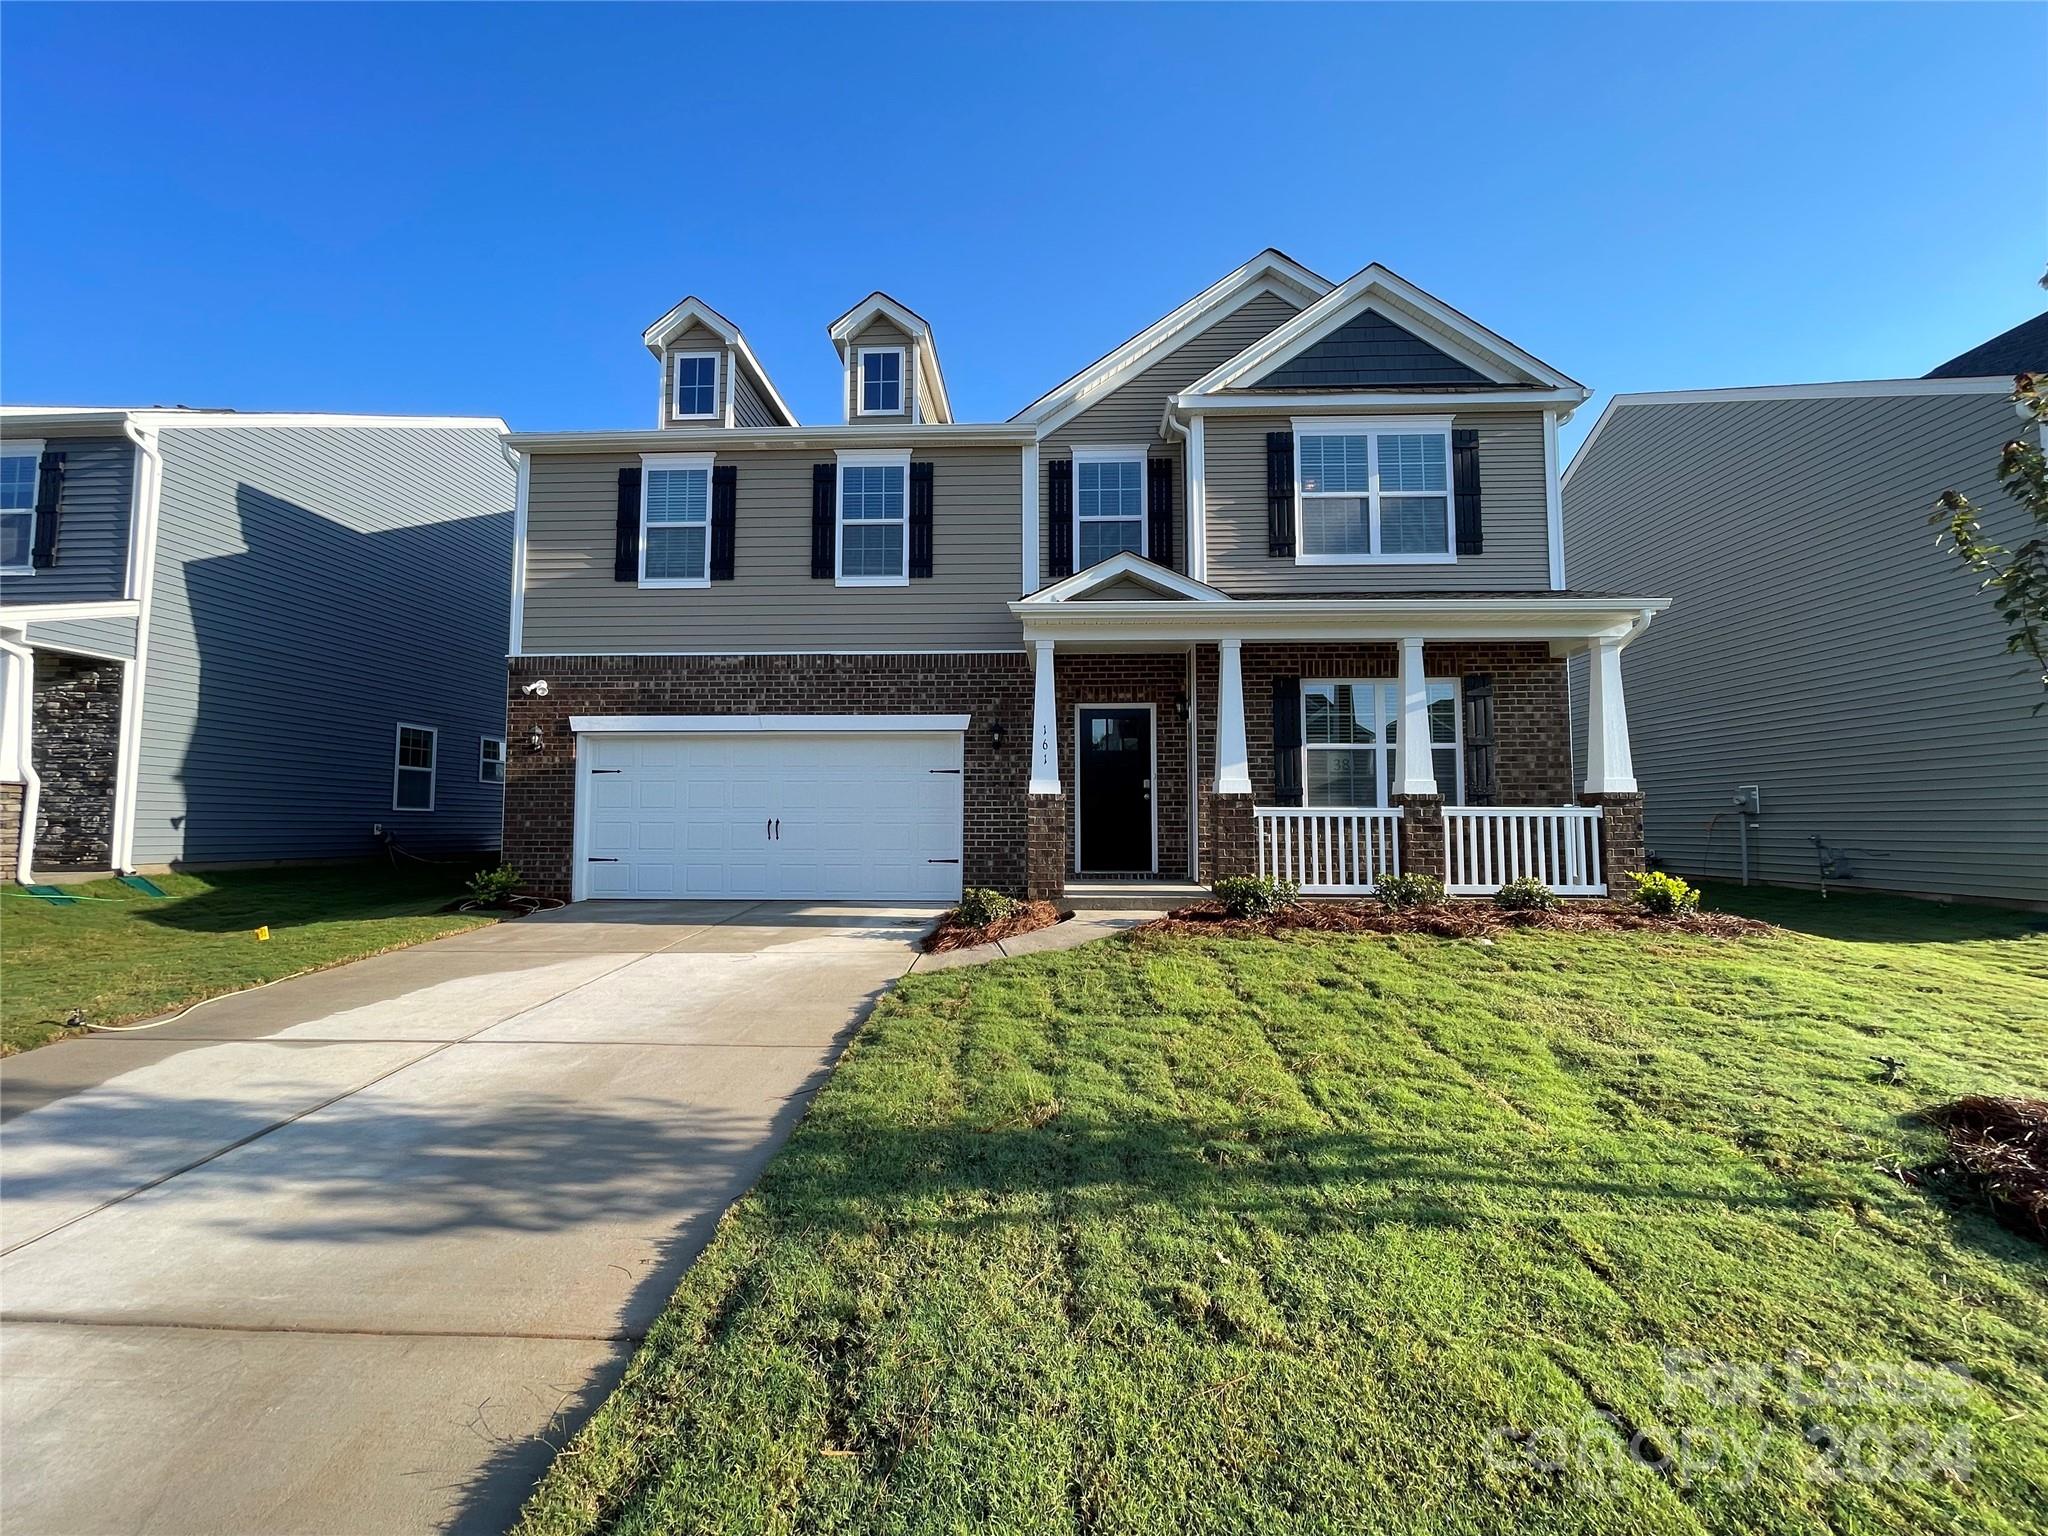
[(1287, 740), (49, 508), (1280, 496), (1479, 784), (1465, 485), (824, 516), (626, 543), (1059, 516), (920, 518), (725, 517), (1159, 510)]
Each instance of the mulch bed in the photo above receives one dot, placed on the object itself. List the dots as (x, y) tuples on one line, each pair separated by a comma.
[(1028, 918), (2001, 1146), (1453, 920)]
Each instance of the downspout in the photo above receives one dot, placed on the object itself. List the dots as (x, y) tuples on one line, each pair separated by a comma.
[(142, 524), (18, 730)]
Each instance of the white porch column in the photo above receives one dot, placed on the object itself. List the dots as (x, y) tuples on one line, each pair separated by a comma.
[(1233, 762), (1414, 768), (1045, 740), (1609, 768)]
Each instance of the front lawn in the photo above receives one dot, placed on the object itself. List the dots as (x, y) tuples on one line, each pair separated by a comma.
[(1374, 1234), (121, 955)]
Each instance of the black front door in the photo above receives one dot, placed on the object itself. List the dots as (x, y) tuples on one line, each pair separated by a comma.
[(1114, 769)]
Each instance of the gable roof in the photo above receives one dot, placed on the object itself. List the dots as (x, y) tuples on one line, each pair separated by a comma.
[(2023, 349), (1369, 351), (1496, 361), (694, 311), (1127, 567), (930, 375), (1271, 271)]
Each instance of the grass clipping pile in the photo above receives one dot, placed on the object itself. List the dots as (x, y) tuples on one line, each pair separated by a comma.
[(1450, 920), (1027, 918), (2001, 1146)]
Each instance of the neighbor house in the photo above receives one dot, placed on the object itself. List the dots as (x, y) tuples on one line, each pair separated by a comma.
[(231, 638), (1830, 702), (1276, 584)]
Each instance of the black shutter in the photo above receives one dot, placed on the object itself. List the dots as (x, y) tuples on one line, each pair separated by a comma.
[(920, 519), (725, 517), (1465, 484), (1280, 495), (824, 515), (1286, 739), (49, 507), (1479, 784), (626, 542), (1059, 517), (1159, 510)]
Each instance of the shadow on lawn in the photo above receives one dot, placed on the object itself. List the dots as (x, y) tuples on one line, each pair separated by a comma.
[(283, 899), (1871, 917)]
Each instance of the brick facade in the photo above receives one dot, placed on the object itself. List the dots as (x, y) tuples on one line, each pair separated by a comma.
[(1621, 838), (1046, 858), (76, 744)]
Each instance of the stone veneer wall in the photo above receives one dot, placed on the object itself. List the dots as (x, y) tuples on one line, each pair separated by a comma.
[(540, 787), (10, 828), (76, 735)]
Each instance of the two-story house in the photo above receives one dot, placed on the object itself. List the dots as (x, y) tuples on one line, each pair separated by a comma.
[(1275, 585)]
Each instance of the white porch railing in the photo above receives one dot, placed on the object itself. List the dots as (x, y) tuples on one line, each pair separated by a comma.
[(1487, 846), (1327, 852)]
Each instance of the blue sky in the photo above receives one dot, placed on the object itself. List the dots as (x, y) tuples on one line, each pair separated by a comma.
[(475, 209)]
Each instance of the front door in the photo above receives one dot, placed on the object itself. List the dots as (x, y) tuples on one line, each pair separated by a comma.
[(1113, 763)]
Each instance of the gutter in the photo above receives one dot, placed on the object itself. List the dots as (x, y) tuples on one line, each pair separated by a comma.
[(928, 434), (146, 503)]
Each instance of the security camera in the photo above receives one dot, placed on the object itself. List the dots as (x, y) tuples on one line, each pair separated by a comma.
[(537, 689)]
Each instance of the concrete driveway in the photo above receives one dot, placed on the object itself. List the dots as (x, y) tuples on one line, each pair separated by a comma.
[(350, 1254)]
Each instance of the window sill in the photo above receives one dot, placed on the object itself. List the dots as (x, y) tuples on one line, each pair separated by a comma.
[(673, 583), (17, 570), (871, 581), (1375, 559)]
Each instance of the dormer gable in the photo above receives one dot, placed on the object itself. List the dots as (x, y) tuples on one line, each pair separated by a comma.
[(709, 375), (889, 365)]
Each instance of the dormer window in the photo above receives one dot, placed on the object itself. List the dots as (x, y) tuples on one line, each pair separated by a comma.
[(696, 396), (881, 381)]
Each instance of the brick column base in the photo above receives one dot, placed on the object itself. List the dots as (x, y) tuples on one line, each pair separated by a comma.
[(1621, 838), (1045, 852), (1233, 837), (1421, 838)]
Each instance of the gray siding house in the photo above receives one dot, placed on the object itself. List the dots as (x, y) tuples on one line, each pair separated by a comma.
[(1274, 585), (1821, 652), (232, 638)]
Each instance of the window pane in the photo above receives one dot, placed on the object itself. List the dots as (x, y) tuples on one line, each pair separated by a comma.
[(18, 483), (1339, 713), (415, 748), (1342, 777), (875, 549), (696, 386), (1412, 461), (1443, 713), (871, 491), (1414, 525), (1101, 538), (415, 790), (1112, 488), (1334, 525), (1333, 464), (881, 381), (676, 553), (678, 495), (17, 539), (1443, 762)]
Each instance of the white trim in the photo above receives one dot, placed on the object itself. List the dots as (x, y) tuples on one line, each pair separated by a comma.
[(432, 770), (1553, 503), (159, 417), (1030, 521), (1117, 567), (21, 615), (17, 731), (860, 381), (1151, 783), (482, 761), (145, 515), (1198, 499), (801, 650), (1465, 401), (1084, 626), (675, 386), (522, 490), (692, 310), (30, 448), (868, 458), (729, 725), (730, 390), (943, 434), (1372, 428), (689, 462)]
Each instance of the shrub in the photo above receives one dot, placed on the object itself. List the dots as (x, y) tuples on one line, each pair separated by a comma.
[(1527, 894), (1254, 895), (980, 906), (1665, 895), (490, 887), (1401, 893)]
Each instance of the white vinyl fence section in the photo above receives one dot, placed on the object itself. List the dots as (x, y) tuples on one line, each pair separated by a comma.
[(1487, 846), (1328, 852)]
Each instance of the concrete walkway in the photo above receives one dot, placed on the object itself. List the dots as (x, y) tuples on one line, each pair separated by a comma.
[(346, 1254)]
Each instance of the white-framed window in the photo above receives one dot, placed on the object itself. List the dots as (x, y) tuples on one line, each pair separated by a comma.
[(675, 519), (1371, 491), (881, 381), (412, 768), (696, 386), (1109, 503), (874, 519), (21, 464), (491, 761), (1348, 732)]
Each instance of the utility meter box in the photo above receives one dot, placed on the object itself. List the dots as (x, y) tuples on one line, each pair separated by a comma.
[(1749, 800)]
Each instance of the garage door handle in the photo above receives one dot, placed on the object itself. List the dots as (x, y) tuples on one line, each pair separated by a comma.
[(594, 859), (607, 770), (942, 770), (942, 861)]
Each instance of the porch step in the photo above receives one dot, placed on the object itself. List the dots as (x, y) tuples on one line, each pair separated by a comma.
[(1132, 895)]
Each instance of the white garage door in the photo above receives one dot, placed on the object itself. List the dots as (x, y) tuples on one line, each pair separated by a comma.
[(838, 817)]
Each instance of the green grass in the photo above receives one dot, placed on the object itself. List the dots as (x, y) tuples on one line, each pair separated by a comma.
[(1233, 1236), (123, 955)]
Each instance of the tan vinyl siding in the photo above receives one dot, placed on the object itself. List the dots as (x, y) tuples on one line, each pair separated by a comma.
[(749, 409), (1131, 412), (698, 338), (1511, 483), (1818, 645), (772, 604), (880, 332)]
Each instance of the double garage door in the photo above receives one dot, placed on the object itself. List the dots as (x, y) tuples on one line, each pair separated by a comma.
[(839, 816)]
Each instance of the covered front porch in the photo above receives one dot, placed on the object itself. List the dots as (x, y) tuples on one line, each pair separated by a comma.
[(1183, 734)]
